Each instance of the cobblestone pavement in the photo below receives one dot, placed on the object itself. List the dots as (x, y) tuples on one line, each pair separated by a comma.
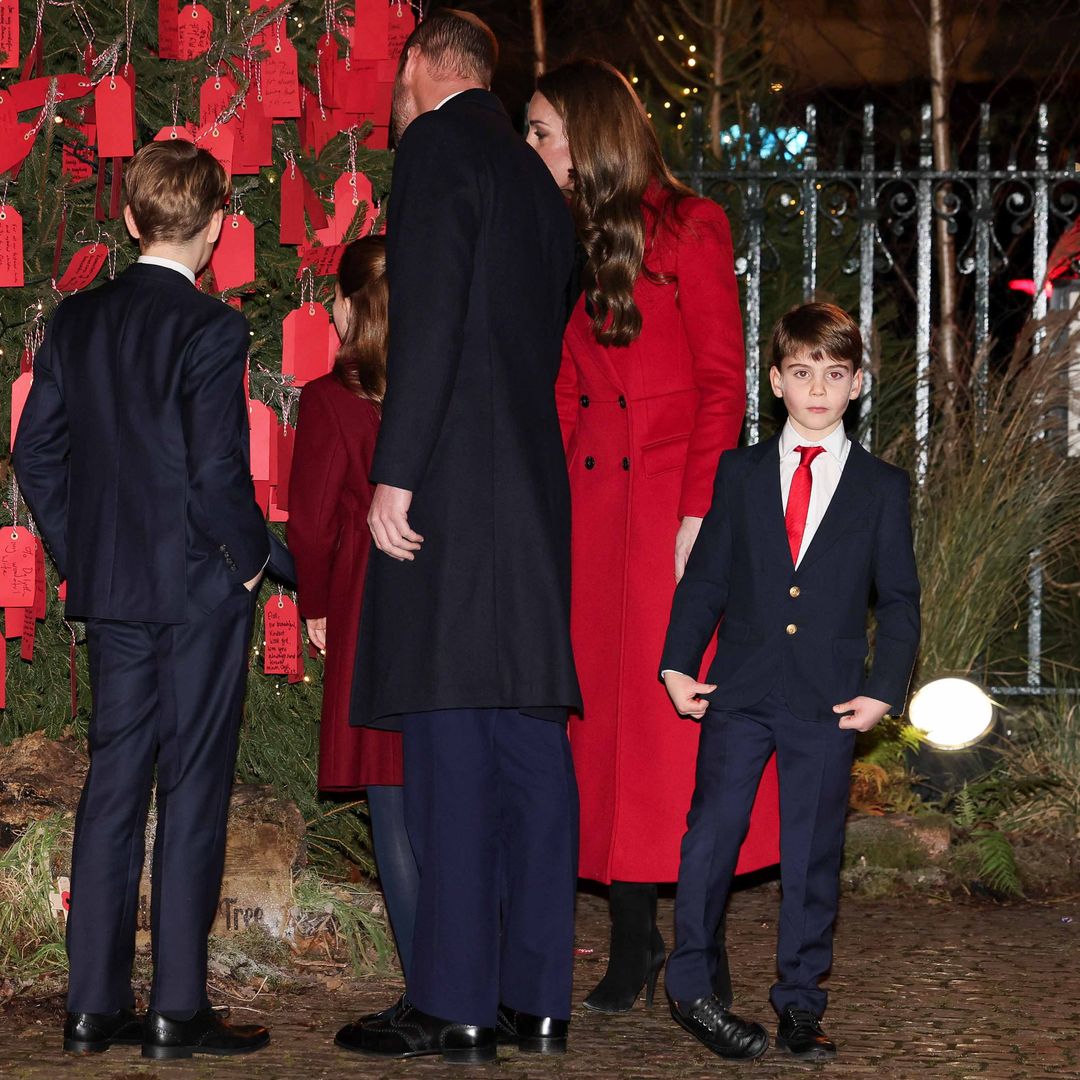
[(920, 990)]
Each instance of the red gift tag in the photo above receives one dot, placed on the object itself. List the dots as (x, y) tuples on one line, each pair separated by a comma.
[(112, 108), (402, 24), (233, 261), (293, 228), (215, 94), (220, 141), (85, 265), (176, 131), (20, 390), (168, 30), (371, 30), (304, 336), (11, 246), (9, 33), (262, 423), (286, 443), (327, 52), (351, 192), (321, 261), (280, 80), (17, 570), (276, 512), (360, 81), (254, 131), (195, 30), (78, 160), (320, 125), (40, 591), (13, 622), (32, 93), (29, 634), (281, 629), (314, 207)]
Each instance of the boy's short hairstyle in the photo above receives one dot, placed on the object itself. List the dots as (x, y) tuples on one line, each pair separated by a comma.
[(173, 189), (824, 331), (456, 44)]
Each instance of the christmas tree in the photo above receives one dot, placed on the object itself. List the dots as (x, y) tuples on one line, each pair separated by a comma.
[(297, 108)]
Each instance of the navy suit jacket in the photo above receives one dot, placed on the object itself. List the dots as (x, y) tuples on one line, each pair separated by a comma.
[(803, 629), (132, 451)]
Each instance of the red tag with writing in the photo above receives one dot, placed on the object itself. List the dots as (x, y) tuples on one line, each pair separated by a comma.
[(17, 570), (112, 106), (195, 29), (304, 336), (359, 80), (168, 30), (371, 30), (9, 33), (20, 390), (29, 635), (351, 191), (281, 628), (321, 261), (402, 24), (85, 265), (79, 160), (219, 140), (214, 97), (11, 246), (280, 80), (233, 261), (293, 228), (40, 591), (262, 423)]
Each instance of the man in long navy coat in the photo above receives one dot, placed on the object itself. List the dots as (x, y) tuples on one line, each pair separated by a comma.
[(464, 640)]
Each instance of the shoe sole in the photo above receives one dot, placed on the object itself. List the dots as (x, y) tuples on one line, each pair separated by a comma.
[(715, 1049), (550, 1045), (473, 1056), (817, 1054), (174, 1053), (80, 1046)]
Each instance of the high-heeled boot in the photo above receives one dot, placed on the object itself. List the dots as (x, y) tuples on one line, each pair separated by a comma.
[(637, 950)]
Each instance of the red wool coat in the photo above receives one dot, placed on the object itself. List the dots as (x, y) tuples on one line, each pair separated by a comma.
[(644, 428), (329, 496)]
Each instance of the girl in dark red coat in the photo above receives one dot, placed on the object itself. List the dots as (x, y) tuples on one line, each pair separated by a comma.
[(329, 495), (652, 391)]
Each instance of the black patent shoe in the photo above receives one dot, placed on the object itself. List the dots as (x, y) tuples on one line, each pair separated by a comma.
[(531, 1034), (407, 1032), (721, 1031), (91, 1033), (799, 1033), (205, 1033)]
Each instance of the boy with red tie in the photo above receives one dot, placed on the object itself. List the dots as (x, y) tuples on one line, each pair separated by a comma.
[(805, 530)]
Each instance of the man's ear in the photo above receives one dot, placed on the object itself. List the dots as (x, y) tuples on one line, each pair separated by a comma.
[(776, 381), (214, 228), (856, 385), (129, 221)]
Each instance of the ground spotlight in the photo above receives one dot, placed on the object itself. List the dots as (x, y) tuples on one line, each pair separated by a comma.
[(951, 714)]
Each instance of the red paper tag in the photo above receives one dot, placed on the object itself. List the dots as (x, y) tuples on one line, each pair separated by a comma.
[(32, 93), (79, 160), (371, 30), (9, 33), (360, 80), (195, 30), (322, 261), (112, 106), (85, 265), (20, 389), (29, 635), (314, 207), (350, 191), (214, 97), (293, 228), (254, 131), (11, 246), (219, 140), (304, 341), (281, 627), (40, 591), (262, 422), (275, 512), (168, 30), (280, 80), (327, 52), (233, 261), (17, 569), (13, 622), (402, 24), (320, 125), (286, 442), (176, 131)]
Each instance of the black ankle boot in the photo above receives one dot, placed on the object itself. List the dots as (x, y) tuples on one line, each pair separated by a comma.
[(637, 950)]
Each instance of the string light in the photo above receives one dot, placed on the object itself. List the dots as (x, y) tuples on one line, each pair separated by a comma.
[(659, 37)]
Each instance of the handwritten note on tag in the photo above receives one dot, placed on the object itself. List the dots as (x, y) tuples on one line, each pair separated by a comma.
[(11, 246), (168, 30), (281, 626), (195, 30), (85, 265), (280, 79), (18, 572), (9, 33)]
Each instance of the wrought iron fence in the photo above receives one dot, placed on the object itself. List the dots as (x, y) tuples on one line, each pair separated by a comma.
[(876, 218)]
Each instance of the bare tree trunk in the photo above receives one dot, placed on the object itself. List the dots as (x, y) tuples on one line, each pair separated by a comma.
[(719, 31), (940, 91), (539, 36)]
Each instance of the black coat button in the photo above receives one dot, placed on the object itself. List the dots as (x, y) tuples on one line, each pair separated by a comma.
[(622, 402), (626, 463), (589, 462), (584, 401)]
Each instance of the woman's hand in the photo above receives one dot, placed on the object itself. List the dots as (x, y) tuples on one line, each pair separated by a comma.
[(316, 632), (684, 543)]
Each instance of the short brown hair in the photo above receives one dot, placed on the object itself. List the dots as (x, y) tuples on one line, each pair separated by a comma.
[(456, 44), (825, 331), (361, 361), (173, 189)]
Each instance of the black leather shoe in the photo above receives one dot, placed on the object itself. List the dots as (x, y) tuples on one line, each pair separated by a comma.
[(721, 1031), (407, 1032), (205, 1033), (90, 1033), (532, 1034), (799, 1033)]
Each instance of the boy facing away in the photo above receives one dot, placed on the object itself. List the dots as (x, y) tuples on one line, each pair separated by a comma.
[(806, 529), (132, 453)]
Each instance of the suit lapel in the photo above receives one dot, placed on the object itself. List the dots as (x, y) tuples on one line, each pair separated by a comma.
[(847, 500), (767, 503)]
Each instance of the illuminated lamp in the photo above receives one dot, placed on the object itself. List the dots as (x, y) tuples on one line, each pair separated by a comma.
[(951, 714)]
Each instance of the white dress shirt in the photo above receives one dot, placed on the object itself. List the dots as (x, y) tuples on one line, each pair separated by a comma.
[(446, 99), (825, 472), (170, 264)]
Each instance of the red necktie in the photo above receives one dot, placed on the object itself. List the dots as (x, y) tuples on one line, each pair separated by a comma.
[(798, 501)]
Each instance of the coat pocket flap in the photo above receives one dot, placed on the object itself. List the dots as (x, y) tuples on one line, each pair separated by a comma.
[(665, 455)]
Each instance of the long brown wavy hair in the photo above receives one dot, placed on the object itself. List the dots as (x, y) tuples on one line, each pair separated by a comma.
[(615, 155), (360, 364)]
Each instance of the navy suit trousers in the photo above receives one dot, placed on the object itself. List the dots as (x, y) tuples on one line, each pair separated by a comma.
[(170, 694), (492, 812), (813, 762)]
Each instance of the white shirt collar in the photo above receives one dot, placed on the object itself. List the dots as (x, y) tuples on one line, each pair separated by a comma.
[(446, 99), (835, 443), (171, 264)]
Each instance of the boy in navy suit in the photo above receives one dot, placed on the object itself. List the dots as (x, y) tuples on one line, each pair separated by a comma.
[(806, 529), (132, 453)]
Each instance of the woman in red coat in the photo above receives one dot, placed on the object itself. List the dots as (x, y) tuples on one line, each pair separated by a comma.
[(329, 495), (652, 391)]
